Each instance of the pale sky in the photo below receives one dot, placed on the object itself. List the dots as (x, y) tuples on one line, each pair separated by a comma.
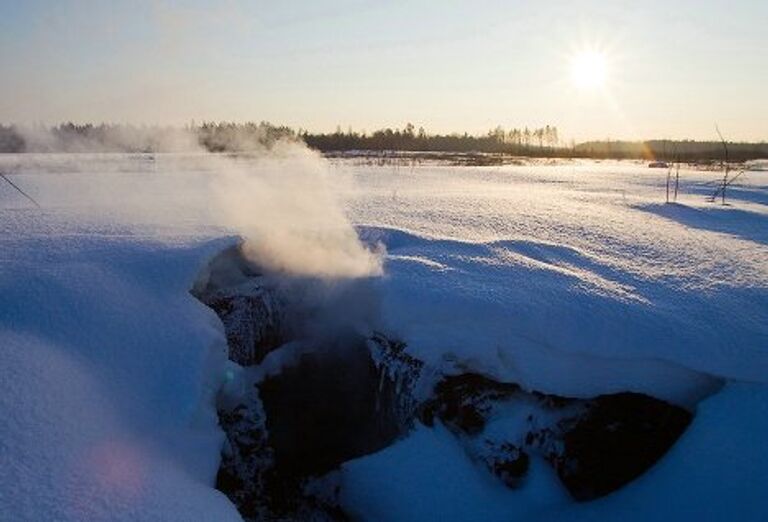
[(672, 68)]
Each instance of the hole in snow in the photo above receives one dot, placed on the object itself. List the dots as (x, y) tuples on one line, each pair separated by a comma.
[(314, 387), (312, 391)]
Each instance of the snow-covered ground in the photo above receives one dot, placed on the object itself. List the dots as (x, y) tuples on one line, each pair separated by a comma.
[(573, 279), (579, 269)]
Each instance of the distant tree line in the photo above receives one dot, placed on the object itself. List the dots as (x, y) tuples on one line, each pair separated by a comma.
[(670, 150), (543, 141), (232, 137)]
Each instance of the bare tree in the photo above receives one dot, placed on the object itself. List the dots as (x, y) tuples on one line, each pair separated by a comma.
[(726, 166), (726, 182), (677, 173)]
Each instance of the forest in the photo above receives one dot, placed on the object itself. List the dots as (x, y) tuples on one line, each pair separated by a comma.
[(237, 137)]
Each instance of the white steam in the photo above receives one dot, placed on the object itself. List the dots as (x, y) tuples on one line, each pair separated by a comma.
[(107, 138), (280, 199), (283, 204)]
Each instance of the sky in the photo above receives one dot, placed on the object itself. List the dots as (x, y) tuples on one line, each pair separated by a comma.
[(672, 69)]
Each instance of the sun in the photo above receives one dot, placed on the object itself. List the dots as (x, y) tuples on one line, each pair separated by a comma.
[(589, 70)]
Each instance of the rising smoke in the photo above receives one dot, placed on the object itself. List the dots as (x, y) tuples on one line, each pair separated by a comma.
[(280, 198), (283, 202)]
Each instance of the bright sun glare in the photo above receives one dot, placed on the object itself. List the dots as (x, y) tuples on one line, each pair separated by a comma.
[(588, 69)]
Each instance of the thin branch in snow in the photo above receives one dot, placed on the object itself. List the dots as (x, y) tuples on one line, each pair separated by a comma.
[(11, 183), (726, 165)]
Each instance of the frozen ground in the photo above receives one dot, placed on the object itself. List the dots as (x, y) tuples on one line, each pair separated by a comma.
[(579, 268), (574, 279)]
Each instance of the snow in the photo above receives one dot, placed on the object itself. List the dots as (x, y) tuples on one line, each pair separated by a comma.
[(428, 477), (574, 279), (109, 370), (718, 471), (577, 280)]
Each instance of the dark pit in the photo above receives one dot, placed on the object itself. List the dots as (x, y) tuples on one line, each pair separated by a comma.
[(342, 395), (329, 408)]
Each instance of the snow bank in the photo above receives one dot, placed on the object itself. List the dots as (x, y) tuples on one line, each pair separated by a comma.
[(429, 477), (716, 472), (546, 317), (109, 369)]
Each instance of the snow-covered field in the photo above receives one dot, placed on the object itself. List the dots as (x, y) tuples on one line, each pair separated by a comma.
[(574, 279)]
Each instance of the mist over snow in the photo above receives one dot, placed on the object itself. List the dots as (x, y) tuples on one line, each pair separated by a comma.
[(279, 199), (109, 138)]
